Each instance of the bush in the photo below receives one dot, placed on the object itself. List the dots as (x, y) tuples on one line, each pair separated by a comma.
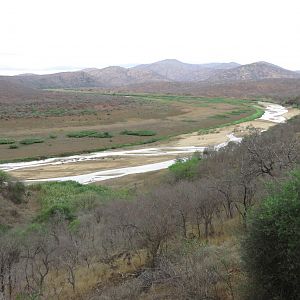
[(89, 133), (185, 169), (16, 191), (138, 132), (31, 141), (271, 248), (13, 146), (58, 209), (67, 197), (4, 177), (6, 141)]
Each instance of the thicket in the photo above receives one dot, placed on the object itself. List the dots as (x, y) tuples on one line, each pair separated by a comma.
[(271, 247), (185, 169)]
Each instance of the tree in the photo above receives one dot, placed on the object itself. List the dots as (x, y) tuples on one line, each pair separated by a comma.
[(150, 223), (205, 205), (271, 247)]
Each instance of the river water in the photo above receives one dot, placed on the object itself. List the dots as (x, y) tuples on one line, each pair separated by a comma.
[(273, 113)]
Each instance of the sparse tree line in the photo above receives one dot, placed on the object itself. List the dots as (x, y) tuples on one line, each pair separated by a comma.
[(167, 230)]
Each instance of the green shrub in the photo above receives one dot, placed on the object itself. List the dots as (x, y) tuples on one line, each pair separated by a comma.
[(31, 141), (89, 133), (185, 169), (219, 117), (239, 112), (4, 177), (61, 209), (6, 141), (13, 146), (207, 131), (69, 196), (138, 132), (4, 228), (271, 247), (52, 136)]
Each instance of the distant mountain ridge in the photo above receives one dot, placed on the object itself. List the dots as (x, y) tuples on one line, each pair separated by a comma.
[(255, 71), (169, 70), (175, 70)]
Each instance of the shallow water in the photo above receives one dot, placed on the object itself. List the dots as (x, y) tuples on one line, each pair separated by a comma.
[(273, 113)]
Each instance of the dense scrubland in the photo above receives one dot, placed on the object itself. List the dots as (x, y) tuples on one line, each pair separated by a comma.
[(222, 225)]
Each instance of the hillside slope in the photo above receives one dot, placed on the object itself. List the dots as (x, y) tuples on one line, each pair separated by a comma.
[(11, 89), (281, 89)]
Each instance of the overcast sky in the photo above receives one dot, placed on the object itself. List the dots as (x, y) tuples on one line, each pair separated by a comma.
[(52, 35)]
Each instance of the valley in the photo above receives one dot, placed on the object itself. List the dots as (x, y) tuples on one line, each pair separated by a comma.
[(108, 165), (150, 150), (82, 122), (127, 183)]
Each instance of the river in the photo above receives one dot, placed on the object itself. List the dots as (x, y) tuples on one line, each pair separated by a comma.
[(273, 113)]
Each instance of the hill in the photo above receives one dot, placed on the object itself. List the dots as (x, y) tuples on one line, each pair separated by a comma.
[(254, 71), (106, 77), (175, 70), (10, 89), (159, 73), (58, 80), (281, 89), (118, 76)]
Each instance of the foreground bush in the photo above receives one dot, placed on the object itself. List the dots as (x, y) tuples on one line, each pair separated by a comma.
[(271, 249)]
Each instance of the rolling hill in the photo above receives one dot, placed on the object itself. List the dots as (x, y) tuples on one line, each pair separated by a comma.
[(175, 70), (254, 71), (161, 72), (280, 89), (10, 89), (118, 76), (58, 80)]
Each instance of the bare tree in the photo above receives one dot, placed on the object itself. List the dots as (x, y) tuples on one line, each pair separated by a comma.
[(206, 204)]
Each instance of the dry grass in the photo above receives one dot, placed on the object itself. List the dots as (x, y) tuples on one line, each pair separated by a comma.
[(99, 275), (12, 214), (96, 276)]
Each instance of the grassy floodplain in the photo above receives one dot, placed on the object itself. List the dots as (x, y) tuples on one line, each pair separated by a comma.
[(98, 122)]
